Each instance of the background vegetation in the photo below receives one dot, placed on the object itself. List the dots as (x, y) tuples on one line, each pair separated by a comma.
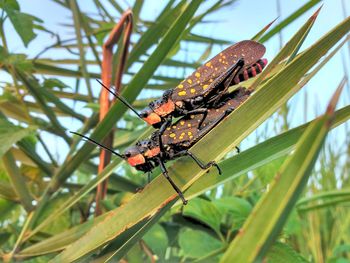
[(284, 197)]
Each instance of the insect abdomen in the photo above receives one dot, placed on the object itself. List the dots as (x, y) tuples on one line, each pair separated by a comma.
[(250, 72)]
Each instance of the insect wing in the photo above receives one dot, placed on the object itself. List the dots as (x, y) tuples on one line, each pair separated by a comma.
[(182, 131), (198, 82)]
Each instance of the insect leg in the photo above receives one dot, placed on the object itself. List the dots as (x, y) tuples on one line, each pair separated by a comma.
[(203, 111), (166, 175), (226, 78), (197, 161), (227, 82)]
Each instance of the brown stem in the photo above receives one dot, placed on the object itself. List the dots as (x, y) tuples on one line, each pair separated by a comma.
[(124, 25)]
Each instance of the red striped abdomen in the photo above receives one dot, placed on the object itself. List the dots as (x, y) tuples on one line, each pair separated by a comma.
[(250, 72)]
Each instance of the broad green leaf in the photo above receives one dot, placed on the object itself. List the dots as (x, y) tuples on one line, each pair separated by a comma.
[(197, 244), (281, 252), (156, 238), (238, 208), (205, 212), (23, 23), (269, 215), (10, 134)]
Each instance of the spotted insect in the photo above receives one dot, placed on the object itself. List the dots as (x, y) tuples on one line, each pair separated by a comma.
[(177, 139), (204, 87)]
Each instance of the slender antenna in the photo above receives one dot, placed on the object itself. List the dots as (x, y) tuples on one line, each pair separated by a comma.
[(119, 97), (98, 144)]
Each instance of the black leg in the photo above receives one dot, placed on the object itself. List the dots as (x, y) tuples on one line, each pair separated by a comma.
[(226, 78), (239, 67), (203, 111), (197, 161), (166, 175), (237, 149)]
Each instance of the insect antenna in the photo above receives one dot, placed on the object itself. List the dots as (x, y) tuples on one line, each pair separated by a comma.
[(92, 141), (119, 97)]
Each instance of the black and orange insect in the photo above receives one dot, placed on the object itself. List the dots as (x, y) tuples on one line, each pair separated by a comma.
[(177, 139), (205, 87)]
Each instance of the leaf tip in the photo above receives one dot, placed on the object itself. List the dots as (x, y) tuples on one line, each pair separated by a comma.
[(334, 100), (314, 16), (268, 25)]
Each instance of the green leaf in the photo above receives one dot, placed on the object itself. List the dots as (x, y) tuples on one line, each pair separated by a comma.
[(62, 222), (17, 181), (10, 134), (155, 31), (281, 253), (197, 244), (205, 212), (239, 208), (19, 61), (157, 239), (288, 49), (7, 192), (128, 238), (54, 83), (61, 240), (23, 23), (12, 4), (269, 215), (257, 156), (324, 199)]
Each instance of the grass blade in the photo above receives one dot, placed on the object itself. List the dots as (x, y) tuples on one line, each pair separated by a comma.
[(268, 217)]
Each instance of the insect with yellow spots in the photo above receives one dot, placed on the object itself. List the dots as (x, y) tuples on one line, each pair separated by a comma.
[(205, 87), (178, 139)]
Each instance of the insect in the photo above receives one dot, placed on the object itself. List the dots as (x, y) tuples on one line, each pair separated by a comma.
[(177, 139), (205, 87)]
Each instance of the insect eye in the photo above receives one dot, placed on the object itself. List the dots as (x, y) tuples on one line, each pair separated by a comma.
[(127, 154), (143, 114)]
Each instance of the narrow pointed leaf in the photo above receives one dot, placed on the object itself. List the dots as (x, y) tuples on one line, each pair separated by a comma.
[(269, 215)]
